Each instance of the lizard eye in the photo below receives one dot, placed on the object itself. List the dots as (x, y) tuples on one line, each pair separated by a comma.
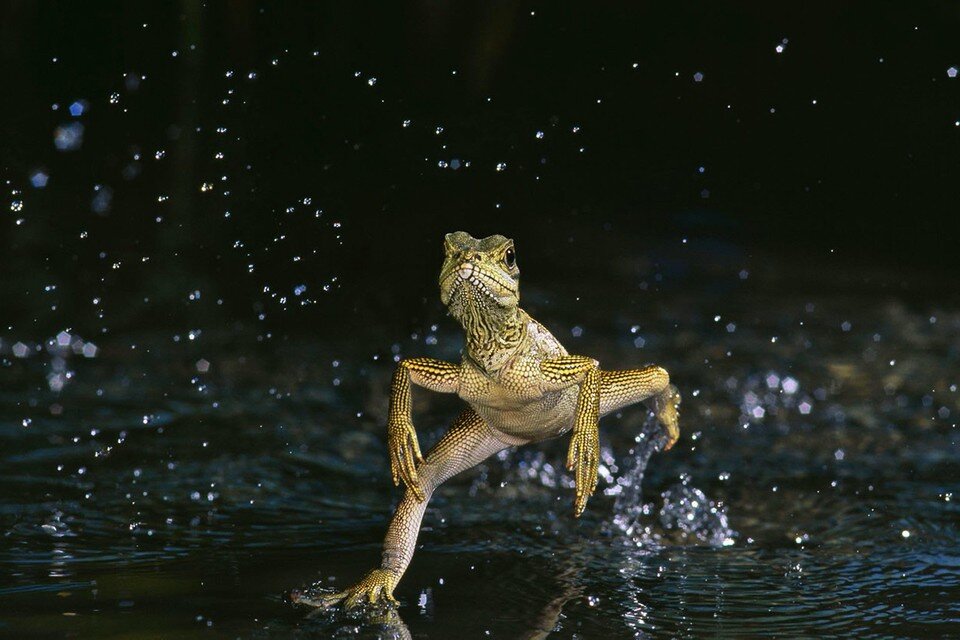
[(510, 258)]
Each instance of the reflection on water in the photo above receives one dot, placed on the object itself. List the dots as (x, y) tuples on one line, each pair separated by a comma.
[(188, 488)]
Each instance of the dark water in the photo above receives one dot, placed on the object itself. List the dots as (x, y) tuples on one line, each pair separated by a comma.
[(222, 226), (814, 492)]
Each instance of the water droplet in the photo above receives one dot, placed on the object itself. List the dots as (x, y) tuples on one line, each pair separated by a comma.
[(39, 179), (102, 199), (68, 137)]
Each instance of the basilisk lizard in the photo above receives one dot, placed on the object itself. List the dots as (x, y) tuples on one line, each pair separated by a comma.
[(520, 385)]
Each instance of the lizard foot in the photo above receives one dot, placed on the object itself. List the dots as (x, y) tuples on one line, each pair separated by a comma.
[(405, 456), (583, 458), (375, 587), (666, 407)]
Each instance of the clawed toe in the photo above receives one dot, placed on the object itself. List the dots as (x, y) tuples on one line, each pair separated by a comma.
[(317, 600), (376, 587), (668, 413)]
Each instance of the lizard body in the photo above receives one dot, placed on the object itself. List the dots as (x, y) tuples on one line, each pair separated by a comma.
[(520, 385)]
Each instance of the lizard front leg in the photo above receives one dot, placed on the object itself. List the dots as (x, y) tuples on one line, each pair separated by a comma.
[(436, 375), (652, 384), (583, 456)]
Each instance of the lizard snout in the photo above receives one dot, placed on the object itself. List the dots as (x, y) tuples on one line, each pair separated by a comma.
[(465, 271)]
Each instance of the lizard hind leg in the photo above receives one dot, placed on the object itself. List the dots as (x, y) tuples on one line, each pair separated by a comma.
[(649, 384), (468, 442)]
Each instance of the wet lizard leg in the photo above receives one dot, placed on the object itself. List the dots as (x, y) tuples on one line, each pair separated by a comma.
[(436, 375), (619, 389), (468, 442), (602, 392), (583, 456)]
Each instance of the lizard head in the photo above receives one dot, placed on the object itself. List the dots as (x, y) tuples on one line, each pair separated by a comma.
[(479, 278)]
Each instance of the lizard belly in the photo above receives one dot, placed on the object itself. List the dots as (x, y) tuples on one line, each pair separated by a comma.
[(528, 420)]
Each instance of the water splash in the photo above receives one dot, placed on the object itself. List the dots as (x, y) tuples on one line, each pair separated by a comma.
[(686, 508), (629, 509)]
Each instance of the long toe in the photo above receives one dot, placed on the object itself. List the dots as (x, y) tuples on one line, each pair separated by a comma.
[(332, 599), (320, 601)]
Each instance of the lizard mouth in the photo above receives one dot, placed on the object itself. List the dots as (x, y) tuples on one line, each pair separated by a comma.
[(470, 285)]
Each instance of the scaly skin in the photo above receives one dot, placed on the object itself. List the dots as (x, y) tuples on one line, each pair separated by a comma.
[(520, 385)]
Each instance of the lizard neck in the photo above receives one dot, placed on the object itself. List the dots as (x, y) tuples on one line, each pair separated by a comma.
[(493, 337)]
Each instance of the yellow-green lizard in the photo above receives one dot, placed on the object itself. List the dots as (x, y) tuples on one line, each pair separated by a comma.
[(520, 385)]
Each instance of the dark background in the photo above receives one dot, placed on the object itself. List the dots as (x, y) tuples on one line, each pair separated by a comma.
[(636, 155)]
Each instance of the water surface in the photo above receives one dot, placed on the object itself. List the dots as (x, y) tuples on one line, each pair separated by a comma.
[(182, 487)]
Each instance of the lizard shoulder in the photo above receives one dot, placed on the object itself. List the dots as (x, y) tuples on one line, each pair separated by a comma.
[(540, 343)]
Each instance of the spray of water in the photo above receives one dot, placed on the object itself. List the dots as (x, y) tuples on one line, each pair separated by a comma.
[(686, 508)]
